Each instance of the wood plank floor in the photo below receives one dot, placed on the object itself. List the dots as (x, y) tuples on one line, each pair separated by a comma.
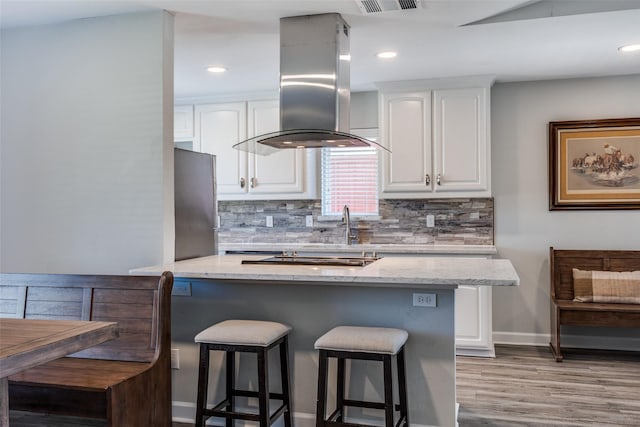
[(525, 386), (522, 386)]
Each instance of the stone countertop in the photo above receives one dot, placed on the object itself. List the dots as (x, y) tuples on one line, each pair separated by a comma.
[(379, 248), (410, 272)]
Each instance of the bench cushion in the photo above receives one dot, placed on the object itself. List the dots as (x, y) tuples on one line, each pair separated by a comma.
[(606, 286)]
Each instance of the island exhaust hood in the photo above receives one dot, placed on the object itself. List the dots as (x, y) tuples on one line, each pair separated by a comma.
[(314, 87)]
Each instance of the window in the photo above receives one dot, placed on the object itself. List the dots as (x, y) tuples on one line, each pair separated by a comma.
[(350, 177)]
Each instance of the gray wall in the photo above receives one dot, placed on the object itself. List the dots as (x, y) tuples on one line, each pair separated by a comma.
[(86, 152), (524, 227)]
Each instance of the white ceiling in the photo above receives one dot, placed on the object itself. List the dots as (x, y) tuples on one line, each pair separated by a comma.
[(533, 40)]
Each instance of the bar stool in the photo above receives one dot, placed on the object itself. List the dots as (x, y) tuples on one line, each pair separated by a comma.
[(363, 343), (244, 336)]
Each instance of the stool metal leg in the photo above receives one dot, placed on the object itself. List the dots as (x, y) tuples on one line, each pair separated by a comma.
[(388, 392), (322, 388), (341, 389), (402, 386), (263, 387), (230, 384), (203, 384), (285, 381)]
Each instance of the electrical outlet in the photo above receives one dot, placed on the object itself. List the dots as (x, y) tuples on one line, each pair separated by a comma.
[(431, 221), (309, 220), (269, 221), (175, 358), (182, 289), (424, 300)]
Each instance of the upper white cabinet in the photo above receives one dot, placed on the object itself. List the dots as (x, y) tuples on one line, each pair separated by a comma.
[(438, 134), (461, 140), (218, 128), (243, 175), (183, 122), (405, 129), (281, 172)]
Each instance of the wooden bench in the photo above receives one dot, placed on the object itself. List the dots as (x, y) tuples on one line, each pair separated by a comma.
[(565, 311), (126, 381)]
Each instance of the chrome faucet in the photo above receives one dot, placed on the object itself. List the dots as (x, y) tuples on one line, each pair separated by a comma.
[(346, 220)]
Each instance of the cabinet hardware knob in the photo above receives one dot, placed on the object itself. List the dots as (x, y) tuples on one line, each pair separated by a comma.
[(427, 180), (438, 179), (242, 183), (254, 182)]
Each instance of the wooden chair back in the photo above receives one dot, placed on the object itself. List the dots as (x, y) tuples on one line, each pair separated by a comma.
[(140, 305), (563, 261)]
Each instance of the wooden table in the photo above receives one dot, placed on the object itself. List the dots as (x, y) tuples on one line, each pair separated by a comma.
[(25, 343)]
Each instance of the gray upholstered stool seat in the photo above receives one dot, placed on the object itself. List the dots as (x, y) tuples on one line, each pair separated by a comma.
[(367, 339), (363, 343), (246, 332), (244, 336)]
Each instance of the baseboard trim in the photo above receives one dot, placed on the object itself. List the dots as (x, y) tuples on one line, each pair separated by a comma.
[(574, 341), (477, 352), (184, 412)]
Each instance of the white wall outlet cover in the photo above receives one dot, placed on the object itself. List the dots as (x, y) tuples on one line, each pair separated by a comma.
[(175, 358), (431, 221), (424, 300), (269, 221), (309, 220)]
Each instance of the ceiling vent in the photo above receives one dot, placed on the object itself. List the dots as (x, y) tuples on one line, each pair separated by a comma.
[(377, 6)]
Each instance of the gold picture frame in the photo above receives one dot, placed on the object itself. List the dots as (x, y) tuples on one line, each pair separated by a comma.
[(594, 164)]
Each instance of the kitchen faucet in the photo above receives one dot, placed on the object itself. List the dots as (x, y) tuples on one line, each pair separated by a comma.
[(346, 220)]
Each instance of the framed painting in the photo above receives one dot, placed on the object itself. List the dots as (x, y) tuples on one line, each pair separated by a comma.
[(593, 164)]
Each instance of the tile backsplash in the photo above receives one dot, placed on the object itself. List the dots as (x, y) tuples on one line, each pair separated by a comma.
[(457, 221)]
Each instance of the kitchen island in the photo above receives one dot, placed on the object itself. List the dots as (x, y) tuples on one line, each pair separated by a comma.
[(313, 299)]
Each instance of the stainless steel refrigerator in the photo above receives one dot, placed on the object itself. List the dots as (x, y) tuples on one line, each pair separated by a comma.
[(196, 204)]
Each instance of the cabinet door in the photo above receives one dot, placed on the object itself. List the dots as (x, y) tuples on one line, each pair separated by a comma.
[(474, 332), (280, 172), (406, 131), (460, 140), (182, 122), (218, 128)]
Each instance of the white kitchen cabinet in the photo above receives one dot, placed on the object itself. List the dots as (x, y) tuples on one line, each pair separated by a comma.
[(438, 137), (474, 329), (460, 140), (406, 132), (243, 175), (282, 172), (183, 122), (218, 128)]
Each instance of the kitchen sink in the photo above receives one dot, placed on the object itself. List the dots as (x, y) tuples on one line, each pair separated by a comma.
[(294, 259)]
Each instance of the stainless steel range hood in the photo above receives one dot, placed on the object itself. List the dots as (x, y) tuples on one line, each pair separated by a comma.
[(314, 87)]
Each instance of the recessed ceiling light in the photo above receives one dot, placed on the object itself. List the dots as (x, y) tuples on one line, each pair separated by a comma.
[(386, 55), (629, 48), (216, 69)]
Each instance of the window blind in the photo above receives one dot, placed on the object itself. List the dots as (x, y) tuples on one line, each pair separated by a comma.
[(349, 177)]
